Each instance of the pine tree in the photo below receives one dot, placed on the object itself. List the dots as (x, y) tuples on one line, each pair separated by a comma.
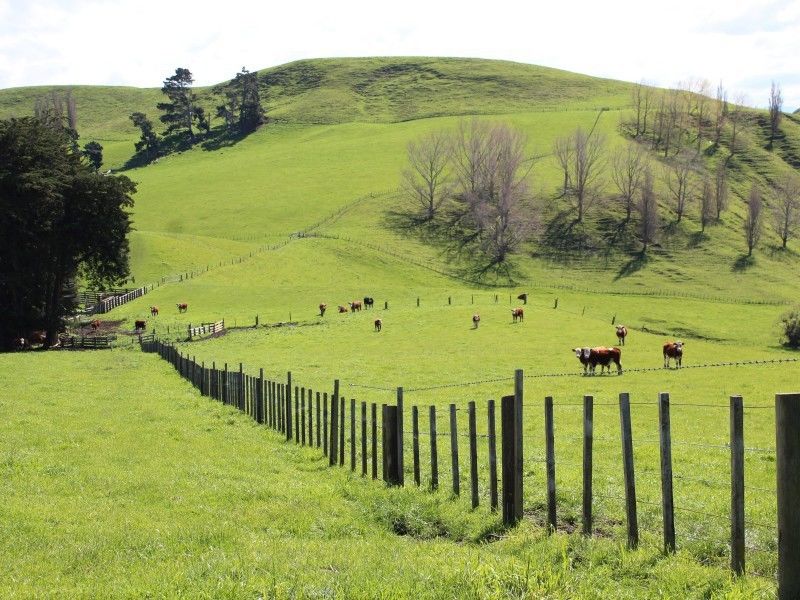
[(179, 113)]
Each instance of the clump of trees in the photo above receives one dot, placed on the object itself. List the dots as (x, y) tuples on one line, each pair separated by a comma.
[(59, 219), (790, 328), (479, 176)]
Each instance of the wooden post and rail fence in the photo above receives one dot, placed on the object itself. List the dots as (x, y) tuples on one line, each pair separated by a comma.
[(318, 419)]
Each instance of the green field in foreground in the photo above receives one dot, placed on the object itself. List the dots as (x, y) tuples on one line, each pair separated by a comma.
[(119, 480)]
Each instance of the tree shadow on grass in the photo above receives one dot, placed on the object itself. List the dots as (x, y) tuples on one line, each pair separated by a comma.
[(638, 262), (697, 239), (743, 263)]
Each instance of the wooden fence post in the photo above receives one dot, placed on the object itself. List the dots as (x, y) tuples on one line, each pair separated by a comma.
[(787, 448), (434, 449), (588, 434), (325, 429), (341, 431), (454, 450), (310, 418), (391, 465), (415, 442), (297, 415), (518, 456), (260, 406), (374, 428), (225, 387), (352, 434), (628, 471), (287, 414), (492, 439), (333, 455), (303, 416), (473, 454), (363, 439), (667, 501), (400, 441), (550, 459), (737, 485), (508, 432)]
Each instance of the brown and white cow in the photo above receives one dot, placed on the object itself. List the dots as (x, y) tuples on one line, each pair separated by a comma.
[(378, 324), (322, 308), (355, 305), (622, 333), (182, 307), (476, 319), (153, 311), (517, 314), (600, 355), (342, 309), (140, 325), (673, 350)]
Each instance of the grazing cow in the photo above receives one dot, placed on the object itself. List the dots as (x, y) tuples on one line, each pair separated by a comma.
[(153, 311), (342, 309), (517, 314), (322, 308), (591, 357), (37, 337), (673, 350), (182, 307), (378, 324), (368, 302), (476, 318), (140, 325), (622, 333), (95, 324), (355, 305), (523, 297)]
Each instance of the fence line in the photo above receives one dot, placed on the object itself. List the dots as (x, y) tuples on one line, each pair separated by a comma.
[(295, 412)]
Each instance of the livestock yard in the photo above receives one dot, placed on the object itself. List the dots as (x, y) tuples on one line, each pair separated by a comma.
[(125, 474)]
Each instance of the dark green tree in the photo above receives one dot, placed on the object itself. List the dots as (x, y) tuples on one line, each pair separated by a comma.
[(203, 119), (251, 113), (229, 110), (179, 112), (93, 152), (59, 220), (149, 143)]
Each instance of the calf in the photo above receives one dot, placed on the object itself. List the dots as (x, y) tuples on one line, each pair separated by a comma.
[(517, 314), (378, 324), (673, 350), (622, 333), (476, 319), (140, 325), (153, 311), (342, 309), (95, 324), (182, 307), (322, 308), (368, 302)]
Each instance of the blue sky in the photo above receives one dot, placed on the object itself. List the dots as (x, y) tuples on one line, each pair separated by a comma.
[(746, 44)]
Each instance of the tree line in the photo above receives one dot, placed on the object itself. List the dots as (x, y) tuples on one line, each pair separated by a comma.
[(186, 119), (476, 180)]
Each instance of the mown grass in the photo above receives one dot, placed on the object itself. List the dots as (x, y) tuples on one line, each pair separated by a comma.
[(127, 483)]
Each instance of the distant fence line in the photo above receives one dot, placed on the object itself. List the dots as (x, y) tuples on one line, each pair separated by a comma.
[(314, 418), (206, 329), (108, 304), (95, 342)]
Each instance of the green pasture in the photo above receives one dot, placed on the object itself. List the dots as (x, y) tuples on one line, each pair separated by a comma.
[(119, 480)]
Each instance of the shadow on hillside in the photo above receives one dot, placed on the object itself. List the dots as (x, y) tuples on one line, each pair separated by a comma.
[(634, 265), (615, 234), (697, 239), (222, 140), (743, 263), (562, 235)]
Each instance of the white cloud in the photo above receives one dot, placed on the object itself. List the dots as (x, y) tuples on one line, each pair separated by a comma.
[(140, 42)]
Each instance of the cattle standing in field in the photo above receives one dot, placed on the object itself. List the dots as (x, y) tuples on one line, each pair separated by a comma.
[(673, 350), (20, 343), (355, 305), (368, 302), (476, 319), (342, 309), (37, 337), (322, 308), (517, 314), (140, 325), (591, 357), (523, 297), (95, 324), (153, 311), (378, 324), (182, 307), (622, 333)]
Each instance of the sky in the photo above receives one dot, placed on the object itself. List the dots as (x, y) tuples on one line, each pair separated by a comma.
[(745, 44)]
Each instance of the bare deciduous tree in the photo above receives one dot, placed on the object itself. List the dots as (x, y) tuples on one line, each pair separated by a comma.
[(641, 100), (736, 116), (720, 189), (706, 203), (786, 208), (585, 169), (495, 180), (720, 113), (627, 169), (564, 151), (427, 179), (678, 179), (775, 110), (648, 211), (752, 220)]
